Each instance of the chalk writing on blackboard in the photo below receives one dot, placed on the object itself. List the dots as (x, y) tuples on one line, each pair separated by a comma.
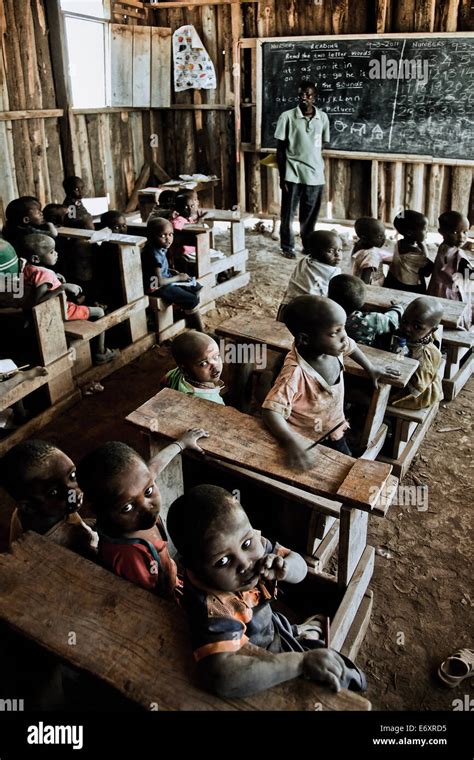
[(394, 95)]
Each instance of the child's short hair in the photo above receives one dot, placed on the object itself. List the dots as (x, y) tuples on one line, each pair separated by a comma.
[(368, 227), (450, 220), (156, 224), (305, 83), (308, 314), (188, 346), (320, 240), (19, 208), (98, 467), (348, 291), (191, 515), (18, 462), (110, 218), (167, 199), (408, 220), (182, 198), (70, 183), (36, 245), (54, 213)]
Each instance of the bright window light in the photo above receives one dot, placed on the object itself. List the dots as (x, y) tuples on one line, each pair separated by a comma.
[(86, 54), (85, 7)]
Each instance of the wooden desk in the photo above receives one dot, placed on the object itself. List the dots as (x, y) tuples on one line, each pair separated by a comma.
[(243, 443), (126, 636), (246, 329), (380, 299)]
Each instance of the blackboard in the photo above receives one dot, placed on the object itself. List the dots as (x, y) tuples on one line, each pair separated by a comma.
[(407, 94)]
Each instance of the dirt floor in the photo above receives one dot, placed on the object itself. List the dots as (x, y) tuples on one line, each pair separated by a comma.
[(422, 582)]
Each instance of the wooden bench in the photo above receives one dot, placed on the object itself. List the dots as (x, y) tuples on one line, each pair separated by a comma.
[(54, 355), (129, 638), (241, 446), (133, 312), (382, 299), (411, 426), (277, 337), (459, 361)]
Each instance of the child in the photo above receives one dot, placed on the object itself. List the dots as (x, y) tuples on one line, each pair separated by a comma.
[(308, 395), (312, 273), (115, 221), (199, 366), (24, 217), (186, 212), (159, 280), (122, 491), (77, 215), (55, 213), (165, 205), (410, 264), (451, 263), (42, 480), (367, 327), (367, 256), (419, 322), (40, 250), (230, 581)]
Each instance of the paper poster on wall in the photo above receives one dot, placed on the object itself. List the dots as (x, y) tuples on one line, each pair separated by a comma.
[(193, 69)]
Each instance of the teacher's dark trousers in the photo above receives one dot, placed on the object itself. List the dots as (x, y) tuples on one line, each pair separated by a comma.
[(309, 199)]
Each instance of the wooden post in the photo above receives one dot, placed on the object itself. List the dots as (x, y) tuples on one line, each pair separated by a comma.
[(132, 285), (374, 190)]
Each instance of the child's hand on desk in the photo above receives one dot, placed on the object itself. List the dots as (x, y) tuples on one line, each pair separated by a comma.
[(375, 374), (190, 438), (182, 277), (325, 666), (273, 567), (298, 456)]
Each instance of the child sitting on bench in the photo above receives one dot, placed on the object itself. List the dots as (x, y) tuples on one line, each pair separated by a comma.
[(115, 221), (371, 328), (123, 494), (159, 280), (24, 217), (186, 211), (42, 481), (165, 206), (418, 324), (230, 579), (41, 255), (367, 257), (199, 367), (452, 267), (77, 215), (410, 264), (308, 395), (313, 272)]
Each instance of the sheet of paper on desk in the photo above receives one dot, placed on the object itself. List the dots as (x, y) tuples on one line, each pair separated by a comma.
[(101, 236), (7, 365)]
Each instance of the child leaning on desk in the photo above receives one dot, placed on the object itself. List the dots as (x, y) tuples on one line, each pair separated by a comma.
[(308, 394)]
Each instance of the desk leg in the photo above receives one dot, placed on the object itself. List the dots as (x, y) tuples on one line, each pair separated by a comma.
[(375, 414), (170, 480), (352, 542)]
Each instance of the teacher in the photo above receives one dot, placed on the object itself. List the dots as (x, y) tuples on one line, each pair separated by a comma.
[(302, 133)]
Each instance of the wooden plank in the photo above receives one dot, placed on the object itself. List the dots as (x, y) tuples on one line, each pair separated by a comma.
[(453, 386), (120, 240), (352, 543), (360, 478), (36, 423), (240, 281), (380, 299), (121, 42), (278, 338), (374, 189), (196, 3), (375, 445), (48, 113), (461, 184), (402, 464), (131, 278), (160, 67), (85, 330), (169, 413), (326, 548), (359, 627), (141, 66), (111, 616), (52, 345), (435, 188), (349, 606), (126, 355), (9, 396), (7, 165), (237, 261), (375, 414)]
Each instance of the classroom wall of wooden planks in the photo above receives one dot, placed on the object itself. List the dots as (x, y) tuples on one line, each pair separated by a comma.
[(42, 139)]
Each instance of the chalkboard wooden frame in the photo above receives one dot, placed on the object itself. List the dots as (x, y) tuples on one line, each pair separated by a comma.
[(355, 155)]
